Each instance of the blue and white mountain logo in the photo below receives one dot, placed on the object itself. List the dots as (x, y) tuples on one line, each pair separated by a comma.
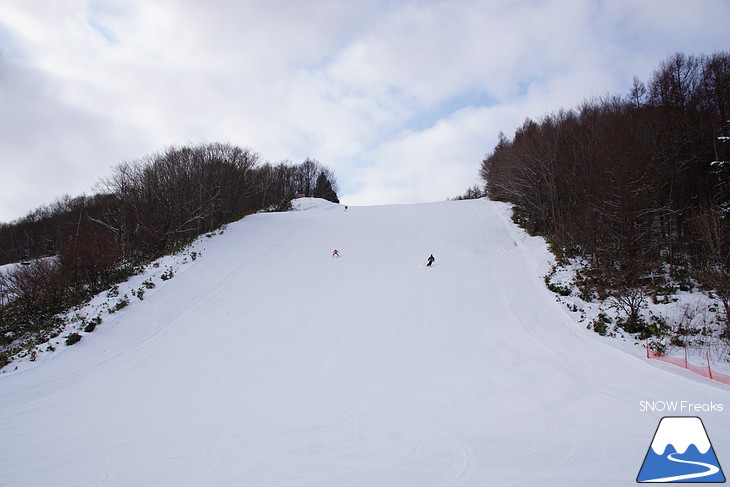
[(681, 452)]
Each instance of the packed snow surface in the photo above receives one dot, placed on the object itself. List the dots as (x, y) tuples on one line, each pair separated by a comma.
[(267, 361)]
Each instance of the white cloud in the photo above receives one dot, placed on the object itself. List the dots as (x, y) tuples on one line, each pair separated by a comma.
[(424, 165), (384, 92), (49, 147)]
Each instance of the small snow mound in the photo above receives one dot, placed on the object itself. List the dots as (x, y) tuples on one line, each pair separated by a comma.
[(302, 204)]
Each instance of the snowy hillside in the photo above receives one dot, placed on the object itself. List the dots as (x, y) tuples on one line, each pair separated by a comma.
[(267, 361)]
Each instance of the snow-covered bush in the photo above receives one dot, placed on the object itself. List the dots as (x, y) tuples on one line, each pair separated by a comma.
[(73, 338)]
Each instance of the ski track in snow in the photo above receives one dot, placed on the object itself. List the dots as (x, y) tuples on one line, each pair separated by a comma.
[(269, 362), (711, 470)]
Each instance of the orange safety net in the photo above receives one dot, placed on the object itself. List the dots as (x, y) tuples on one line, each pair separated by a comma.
[(704, 371)]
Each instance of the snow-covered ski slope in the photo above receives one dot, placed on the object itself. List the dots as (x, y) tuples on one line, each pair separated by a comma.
[(269, 362)]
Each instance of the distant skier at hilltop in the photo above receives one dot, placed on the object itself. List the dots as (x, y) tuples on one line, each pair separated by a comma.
[(431, 260), (335, 253)]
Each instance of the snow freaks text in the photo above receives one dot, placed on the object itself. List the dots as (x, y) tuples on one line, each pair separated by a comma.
[(683, 407)]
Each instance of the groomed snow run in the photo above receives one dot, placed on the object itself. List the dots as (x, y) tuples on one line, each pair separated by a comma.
[(270, 362)]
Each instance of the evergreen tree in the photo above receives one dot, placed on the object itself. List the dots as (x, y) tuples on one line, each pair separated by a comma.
[(323, 189)]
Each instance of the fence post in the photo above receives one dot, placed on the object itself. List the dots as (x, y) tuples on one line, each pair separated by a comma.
[(646, 346), (686, 363), (709, 369)]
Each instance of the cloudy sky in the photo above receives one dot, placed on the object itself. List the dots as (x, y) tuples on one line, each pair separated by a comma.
[(401, 98)]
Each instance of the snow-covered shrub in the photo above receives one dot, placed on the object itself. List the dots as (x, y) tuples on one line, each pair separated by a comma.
[(556, 288), (122, 303), (169, 274), (113, 292), (600, 324), (283, 205), (73, 338), (91, 326)]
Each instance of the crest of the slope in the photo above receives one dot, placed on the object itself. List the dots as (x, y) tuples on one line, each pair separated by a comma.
[(301, 204)]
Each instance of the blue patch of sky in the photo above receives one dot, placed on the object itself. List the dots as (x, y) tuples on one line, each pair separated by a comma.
[(8, 45), (444, 109), (95, 18)]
